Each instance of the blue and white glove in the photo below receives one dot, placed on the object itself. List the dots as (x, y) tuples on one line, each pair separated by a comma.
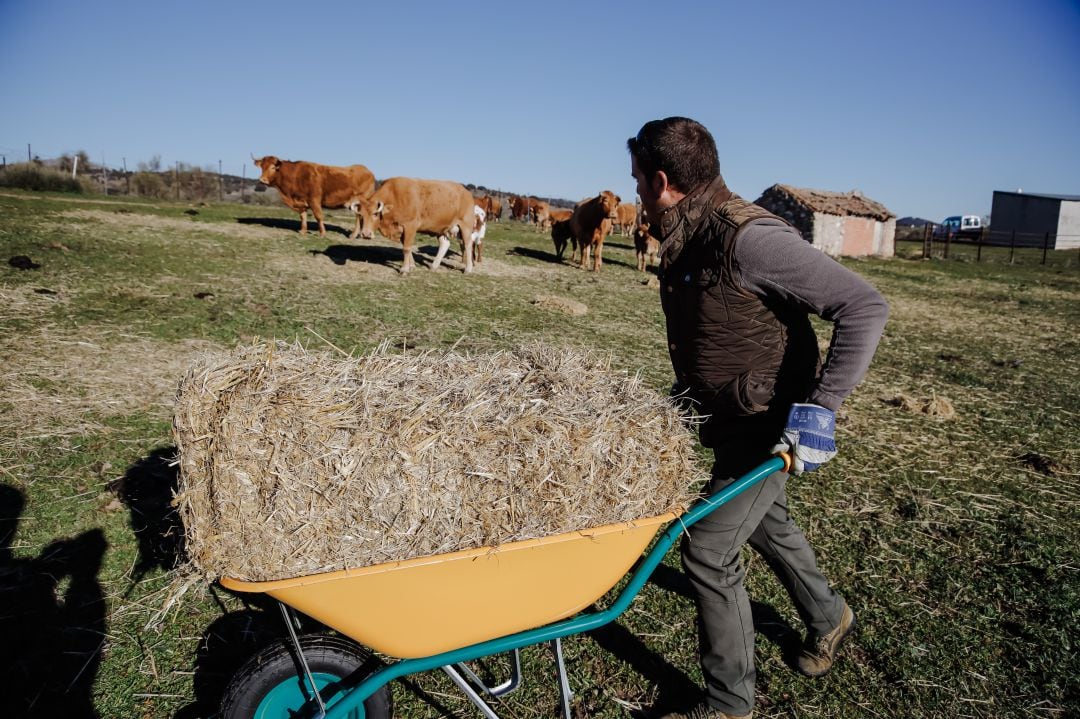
[(810, 437)]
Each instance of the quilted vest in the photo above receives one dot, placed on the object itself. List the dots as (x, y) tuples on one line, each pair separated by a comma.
[(736, 355)]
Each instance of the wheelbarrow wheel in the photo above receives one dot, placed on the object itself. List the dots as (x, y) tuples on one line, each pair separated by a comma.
[(271, 684)]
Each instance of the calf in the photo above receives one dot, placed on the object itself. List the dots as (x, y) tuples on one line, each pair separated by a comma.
[(307, 185), (479, 230), (647, 247), (560, 235), (404, 206)]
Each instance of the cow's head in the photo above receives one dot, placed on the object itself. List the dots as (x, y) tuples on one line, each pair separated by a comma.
[(610, 202), (371, 212), (269, 166)]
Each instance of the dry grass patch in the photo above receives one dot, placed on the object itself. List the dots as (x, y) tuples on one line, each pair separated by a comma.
[(139, 224), (61, 383)]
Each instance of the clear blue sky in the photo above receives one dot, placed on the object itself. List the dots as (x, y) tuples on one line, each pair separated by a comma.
[(926, 106)]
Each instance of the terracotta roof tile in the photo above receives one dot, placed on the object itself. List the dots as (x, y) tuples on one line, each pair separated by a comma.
[(832, 203)]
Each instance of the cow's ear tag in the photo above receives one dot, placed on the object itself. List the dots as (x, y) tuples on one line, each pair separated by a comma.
[(686, 279)]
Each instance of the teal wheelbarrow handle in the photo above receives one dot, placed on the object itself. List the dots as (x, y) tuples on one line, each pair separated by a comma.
[(354, 700)]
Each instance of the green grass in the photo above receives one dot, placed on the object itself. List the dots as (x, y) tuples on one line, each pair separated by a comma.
[(955, 539)]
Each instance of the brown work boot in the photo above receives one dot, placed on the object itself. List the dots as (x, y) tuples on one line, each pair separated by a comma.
[(704, 710), (818, 653)]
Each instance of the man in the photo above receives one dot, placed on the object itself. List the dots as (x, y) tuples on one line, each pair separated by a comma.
[(737, 285)]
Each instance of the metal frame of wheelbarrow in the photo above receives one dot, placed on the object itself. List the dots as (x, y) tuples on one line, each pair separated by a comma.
[(353, 700)]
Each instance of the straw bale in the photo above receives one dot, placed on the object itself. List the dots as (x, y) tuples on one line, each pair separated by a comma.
[(294, 462)]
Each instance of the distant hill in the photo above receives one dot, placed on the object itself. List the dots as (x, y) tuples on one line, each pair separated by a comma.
[(913, 222)]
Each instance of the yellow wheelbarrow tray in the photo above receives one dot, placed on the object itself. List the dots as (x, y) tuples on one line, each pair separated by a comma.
[(433, 604), (443, 610)]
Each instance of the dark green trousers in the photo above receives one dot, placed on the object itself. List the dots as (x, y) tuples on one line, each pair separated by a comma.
[(711, 558)]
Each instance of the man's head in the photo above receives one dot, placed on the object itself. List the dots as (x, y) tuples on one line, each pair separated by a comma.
[(669, 159)]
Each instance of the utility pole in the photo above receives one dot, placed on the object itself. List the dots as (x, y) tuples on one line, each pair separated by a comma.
[(28, 160), (127, 177), (220, 183), (105, 174), (176, 177)]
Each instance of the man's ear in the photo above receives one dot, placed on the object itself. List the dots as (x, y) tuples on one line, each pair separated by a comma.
[(659, 183)]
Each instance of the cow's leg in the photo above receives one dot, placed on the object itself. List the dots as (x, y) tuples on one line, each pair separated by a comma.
[(444, 245), (467, 255), (316, 210), (598, 252), (356, 230), (407, 237), (303, 222)]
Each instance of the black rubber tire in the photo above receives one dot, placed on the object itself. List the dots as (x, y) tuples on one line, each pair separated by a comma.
[(277, 663)]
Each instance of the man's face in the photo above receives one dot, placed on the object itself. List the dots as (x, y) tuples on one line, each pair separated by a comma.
[(644, 190)]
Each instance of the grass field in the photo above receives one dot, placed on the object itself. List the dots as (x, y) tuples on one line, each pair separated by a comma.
[(954, 536)]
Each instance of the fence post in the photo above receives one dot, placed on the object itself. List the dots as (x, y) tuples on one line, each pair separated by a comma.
[(948, 241), (1046, 245), (1012, 246), (979, 244), (927, 232)]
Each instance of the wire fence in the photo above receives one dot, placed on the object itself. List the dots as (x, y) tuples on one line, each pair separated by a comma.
[(987, 245)]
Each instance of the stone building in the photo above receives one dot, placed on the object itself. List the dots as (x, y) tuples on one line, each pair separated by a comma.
[(841, 224)]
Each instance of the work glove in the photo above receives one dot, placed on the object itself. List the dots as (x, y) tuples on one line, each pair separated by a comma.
[(810, 437)]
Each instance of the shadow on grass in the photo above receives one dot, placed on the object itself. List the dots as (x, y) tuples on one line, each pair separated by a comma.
[(676, 691), (147, 489), (551, 257), (279, 223), (225, 646), (371, 254), (52, 621)]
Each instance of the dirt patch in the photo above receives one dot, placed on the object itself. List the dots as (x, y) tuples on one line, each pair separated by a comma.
[(563, 305)]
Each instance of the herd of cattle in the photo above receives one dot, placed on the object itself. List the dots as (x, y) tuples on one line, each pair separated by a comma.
[(402, 207)]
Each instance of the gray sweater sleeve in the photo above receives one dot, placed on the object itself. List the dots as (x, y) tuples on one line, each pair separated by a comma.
[(774, 262)]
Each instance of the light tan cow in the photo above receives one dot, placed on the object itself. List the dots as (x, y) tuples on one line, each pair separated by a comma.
[(591, 223), (626, 218), (540, 214), (404, 206), (496, 208)]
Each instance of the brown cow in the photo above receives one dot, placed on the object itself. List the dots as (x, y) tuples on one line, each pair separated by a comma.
[(591, 223), (626, 218), (496, 208), (519, 208), (484, 203), (647, 247), (560, 235), (403, 206), (307, 185)]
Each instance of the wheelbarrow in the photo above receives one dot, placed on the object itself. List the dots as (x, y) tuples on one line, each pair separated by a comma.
[(442, 611)]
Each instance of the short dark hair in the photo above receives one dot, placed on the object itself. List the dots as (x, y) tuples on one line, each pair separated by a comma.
[(680, 147)]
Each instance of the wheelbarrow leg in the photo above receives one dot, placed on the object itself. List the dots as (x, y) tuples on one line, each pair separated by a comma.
[(471, 693), (499, 690), (455, 671), (291, 622), (564, 683)]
